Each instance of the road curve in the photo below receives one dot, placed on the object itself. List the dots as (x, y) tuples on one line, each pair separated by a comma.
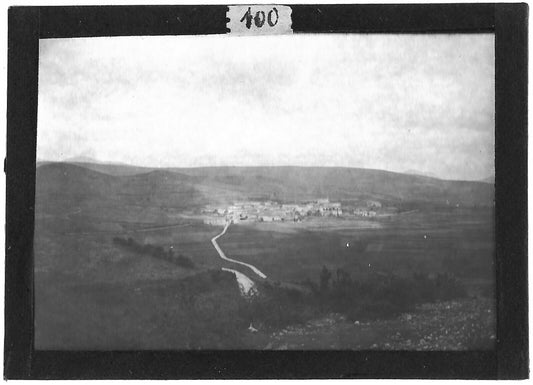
[(223, 256), (246, 285)]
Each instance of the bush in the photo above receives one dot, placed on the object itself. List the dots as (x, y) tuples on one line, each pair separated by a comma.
[(378, 297), (277, 307), (155, 251), (386, 296), (184, 261)]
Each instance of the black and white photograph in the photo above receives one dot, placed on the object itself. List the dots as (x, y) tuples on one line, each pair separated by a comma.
[(289, 192)]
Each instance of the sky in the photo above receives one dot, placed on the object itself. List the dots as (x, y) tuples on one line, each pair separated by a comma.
[(422, 103)]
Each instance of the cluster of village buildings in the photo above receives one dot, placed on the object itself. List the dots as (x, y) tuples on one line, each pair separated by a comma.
[(268, 211)]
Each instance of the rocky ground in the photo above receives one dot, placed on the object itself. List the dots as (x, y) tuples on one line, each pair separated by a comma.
[(465, 324)]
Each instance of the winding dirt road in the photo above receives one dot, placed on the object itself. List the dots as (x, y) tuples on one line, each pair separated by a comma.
[(223, 256)]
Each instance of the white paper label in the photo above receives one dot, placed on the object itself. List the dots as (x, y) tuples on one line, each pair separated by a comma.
[(259, 19)]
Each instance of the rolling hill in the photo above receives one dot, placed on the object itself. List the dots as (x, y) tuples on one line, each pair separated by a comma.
[(68, 185), (489, 179), (64, 187)]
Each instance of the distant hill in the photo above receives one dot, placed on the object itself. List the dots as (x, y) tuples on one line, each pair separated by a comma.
[(109, 185), (421, 173), (114, 168), (489, 179), (297, 183), (110, 168), (64, 188)]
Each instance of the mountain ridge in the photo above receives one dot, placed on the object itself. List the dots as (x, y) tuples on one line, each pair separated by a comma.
[(196, 186), (118, 168)]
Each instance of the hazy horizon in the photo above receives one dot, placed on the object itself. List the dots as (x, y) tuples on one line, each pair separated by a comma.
[(396, 103), (81, 159)]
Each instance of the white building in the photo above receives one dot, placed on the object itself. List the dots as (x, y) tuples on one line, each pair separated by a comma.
[(373, 204)]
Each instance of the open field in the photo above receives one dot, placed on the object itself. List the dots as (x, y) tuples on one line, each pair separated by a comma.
[(458, 243)]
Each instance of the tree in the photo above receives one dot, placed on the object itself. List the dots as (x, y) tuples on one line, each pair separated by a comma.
[(343, 284), (325, 276)]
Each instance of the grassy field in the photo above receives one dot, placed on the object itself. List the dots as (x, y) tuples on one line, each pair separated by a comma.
[(460, 243)]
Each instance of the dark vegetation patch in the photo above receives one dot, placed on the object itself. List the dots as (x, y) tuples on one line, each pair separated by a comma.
[(381, 296), (154, 251)]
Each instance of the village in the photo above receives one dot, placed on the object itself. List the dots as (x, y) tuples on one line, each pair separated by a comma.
[(270, 211)]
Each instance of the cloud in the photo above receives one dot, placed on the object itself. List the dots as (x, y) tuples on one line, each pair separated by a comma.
[(379, 101)]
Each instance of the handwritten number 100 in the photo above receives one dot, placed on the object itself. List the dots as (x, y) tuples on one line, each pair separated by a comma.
[(259, 18)]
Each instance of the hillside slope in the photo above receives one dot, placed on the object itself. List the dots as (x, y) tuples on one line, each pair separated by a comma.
[(297, 183), (73, 185), (65, 188)]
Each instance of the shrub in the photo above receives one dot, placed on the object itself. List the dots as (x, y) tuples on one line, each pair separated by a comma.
[(277, 307), (155, 251), (387, 295)]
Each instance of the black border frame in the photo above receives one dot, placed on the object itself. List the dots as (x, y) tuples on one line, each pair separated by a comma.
[(509, 361)]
